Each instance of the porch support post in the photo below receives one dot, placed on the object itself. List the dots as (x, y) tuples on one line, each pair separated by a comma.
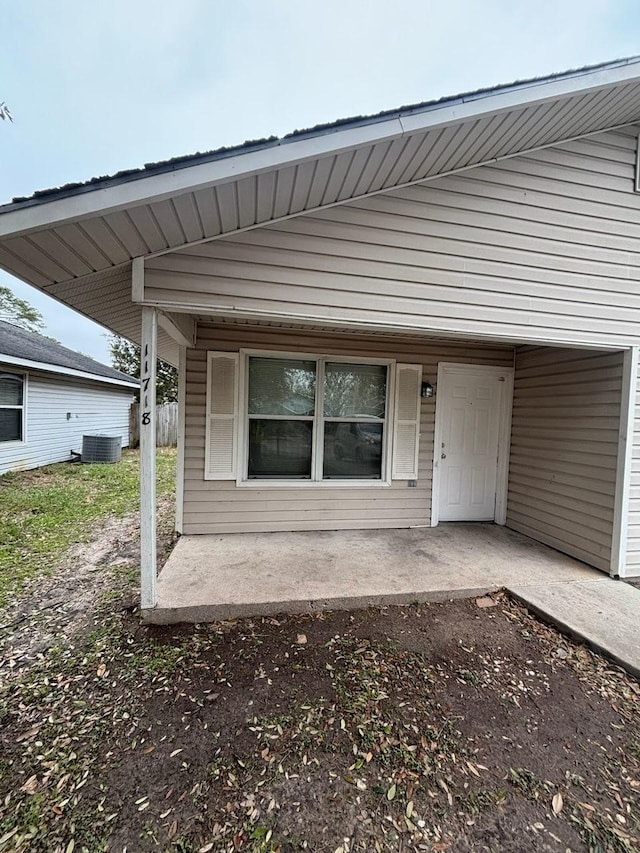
[(625, 460), (148, 360), (182, 404)]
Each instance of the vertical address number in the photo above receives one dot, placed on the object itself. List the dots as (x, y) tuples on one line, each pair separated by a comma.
[(146, 414)]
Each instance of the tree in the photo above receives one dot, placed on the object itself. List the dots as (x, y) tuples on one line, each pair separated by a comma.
[(4, 112), (19, 312), (125, 356)]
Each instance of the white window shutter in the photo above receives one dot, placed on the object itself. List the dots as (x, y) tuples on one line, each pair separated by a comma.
[(406, 422), (221, 451)]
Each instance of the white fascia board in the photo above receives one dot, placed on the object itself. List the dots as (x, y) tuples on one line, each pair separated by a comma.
[(529, 94), (154, 188), (64, 371), (141, 190)]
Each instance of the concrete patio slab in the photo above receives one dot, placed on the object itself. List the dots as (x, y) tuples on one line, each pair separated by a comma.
[(220, 577), (604, 613)]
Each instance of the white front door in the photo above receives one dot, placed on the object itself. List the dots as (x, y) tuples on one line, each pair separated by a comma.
[(469, 407)]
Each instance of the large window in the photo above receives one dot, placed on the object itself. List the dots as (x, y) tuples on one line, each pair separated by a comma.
[(316, 419), (11, 406)]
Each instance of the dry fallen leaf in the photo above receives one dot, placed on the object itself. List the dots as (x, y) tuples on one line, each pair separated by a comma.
[(30, 785), (557, 803), (391, 792)]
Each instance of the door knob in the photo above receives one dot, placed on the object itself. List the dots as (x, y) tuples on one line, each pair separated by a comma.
[(443, 456)]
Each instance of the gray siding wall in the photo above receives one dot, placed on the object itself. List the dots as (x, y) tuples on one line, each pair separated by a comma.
[(95, 408), (223, 507), (542, 247), (564, 445)]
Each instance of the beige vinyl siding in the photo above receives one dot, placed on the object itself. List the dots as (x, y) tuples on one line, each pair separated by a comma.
[(633, 531), (564, 444), (111, 290), (222, 506), (541, 247)]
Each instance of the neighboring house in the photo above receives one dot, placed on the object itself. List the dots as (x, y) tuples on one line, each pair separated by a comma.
[(314, 291), (51, 396)]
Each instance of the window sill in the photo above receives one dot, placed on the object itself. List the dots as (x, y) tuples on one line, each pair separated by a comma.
[(313, 484)]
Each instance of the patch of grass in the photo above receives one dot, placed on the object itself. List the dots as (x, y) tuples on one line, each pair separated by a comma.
[(602, 837), (469, 677), (479, 801), (43, 512), (527, 782)]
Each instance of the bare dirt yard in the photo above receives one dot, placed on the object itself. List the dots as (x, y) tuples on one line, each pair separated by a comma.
[(451, 726)]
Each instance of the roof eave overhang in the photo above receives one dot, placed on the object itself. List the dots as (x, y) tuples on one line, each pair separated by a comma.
[(46, 367), (25, 217)]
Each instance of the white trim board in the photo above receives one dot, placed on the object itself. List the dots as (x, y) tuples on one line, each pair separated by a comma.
[(504, 435), (624, 463)]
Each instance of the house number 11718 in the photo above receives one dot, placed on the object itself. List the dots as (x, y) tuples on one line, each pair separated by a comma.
[(146, 414)]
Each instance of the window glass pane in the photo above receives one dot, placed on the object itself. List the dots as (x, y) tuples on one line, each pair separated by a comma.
[(280, 448), (352, 450), (355, 390), (281, 386), (10, 424), (10, 389)]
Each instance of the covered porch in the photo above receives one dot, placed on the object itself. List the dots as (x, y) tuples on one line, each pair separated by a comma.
[(210, 577), (559, 460)]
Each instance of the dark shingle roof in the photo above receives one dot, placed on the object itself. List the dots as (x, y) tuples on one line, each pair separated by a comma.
[(183, 162), (19, 343)]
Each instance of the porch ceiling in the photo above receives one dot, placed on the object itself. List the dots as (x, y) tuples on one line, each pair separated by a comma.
[(366, 332), (77, 243)]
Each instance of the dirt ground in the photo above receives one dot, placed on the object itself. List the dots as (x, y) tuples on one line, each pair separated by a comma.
[(463, 726)]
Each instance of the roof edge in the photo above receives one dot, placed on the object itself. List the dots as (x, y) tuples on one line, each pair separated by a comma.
[(47, 367), (162, 180)]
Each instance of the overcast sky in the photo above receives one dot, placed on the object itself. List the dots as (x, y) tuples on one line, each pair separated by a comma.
[(96, 86)]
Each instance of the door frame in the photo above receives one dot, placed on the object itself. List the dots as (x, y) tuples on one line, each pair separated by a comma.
[(446, 368)]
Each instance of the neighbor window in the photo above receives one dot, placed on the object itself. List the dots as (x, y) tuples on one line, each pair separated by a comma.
[(11, 406), (316, 419)]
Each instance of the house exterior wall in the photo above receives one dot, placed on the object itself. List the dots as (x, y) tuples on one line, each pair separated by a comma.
[(95, 408), (538, 248), (564, 445), (217, 506)]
